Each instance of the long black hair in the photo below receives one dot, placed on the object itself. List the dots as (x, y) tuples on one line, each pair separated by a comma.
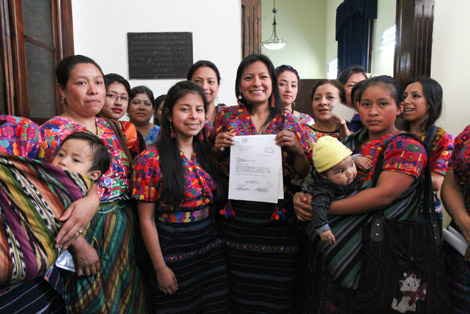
[(278, 107), (171, 163), (432, 92)]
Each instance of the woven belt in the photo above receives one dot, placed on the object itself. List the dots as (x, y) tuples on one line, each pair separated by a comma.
[(184, 216)]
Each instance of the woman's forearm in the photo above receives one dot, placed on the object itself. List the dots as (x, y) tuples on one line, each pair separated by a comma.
[(389, 187), (301, 165), (437, 180), (452, 198), (149, 233), (344, 131)]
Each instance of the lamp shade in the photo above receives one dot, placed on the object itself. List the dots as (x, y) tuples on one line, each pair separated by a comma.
[(274, 44)]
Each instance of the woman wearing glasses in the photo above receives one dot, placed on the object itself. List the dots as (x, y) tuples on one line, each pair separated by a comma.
[(115, 107)]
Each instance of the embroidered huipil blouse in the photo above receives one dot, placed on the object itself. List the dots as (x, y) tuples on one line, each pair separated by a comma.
[(460, 163), (21, 137), (198, 184), (403, 155), (441, 150)]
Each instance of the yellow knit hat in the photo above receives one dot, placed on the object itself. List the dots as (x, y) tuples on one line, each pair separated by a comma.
[(328, 152)]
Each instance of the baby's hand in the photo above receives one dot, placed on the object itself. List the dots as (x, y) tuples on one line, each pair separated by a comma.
[(363, 163), (328, 237)]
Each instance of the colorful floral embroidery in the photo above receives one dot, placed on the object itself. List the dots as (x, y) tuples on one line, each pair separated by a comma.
[(403, 155), (184, 217), (460, 162), (305, 119), (441, 151), (147, 175), (21, 137)]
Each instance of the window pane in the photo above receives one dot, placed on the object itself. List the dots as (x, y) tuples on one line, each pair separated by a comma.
[(37, 20), (41, 82)]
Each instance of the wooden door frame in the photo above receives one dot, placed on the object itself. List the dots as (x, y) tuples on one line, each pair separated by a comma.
[(413, 49), (251, 27), (14, 56)]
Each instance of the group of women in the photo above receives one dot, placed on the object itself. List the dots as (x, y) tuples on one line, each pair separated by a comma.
[(210, 254)]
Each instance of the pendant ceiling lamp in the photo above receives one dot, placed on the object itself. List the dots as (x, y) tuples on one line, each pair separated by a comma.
[(274, 42)]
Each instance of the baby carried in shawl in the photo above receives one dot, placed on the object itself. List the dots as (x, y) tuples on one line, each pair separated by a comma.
[(33, 194)]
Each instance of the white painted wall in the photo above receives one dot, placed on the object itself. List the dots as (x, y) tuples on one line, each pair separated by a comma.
[(382, 57), (302, 23), (101, 27), (450, 64)]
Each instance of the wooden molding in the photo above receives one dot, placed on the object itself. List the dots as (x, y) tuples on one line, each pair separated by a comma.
[(7, 57), (63, 35), (21, 100), (414, 22), (251, 27)]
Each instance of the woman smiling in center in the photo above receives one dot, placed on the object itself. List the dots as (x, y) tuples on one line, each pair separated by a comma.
[(261, 245)]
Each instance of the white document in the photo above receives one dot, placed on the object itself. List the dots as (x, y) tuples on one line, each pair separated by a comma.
[(255, 169), (343, 111), (455, 239)]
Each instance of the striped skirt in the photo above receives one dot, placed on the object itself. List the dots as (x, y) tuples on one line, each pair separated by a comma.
[(35, 296), (193, 251), (458, 274), (117, 287), (261, 259), (312, 281)]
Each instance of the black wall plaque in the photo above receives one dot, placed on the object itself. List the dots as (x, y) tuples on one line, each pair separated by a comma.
[(159, 55)]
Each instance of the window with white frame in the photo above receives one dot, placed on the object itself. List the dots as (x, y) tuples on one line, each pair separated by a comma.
[(388, 37), (332, 69)]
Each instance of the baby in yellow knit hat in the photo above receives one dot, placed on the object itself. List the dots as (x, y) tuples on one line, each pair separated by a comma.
[(334, 174)]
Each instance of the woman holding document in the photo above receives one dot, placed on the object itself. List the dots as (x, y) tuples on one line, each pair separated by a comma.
[(456, 197), (261, 243)]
